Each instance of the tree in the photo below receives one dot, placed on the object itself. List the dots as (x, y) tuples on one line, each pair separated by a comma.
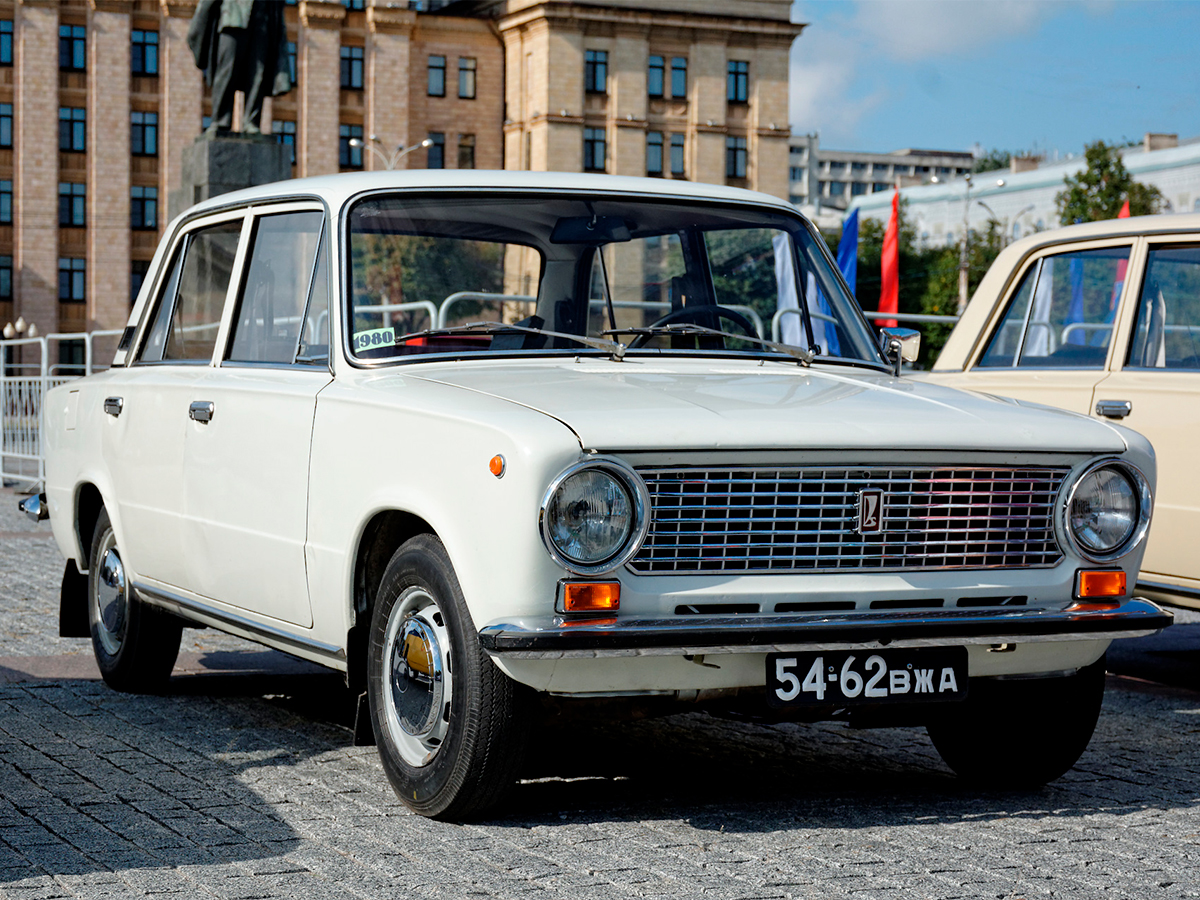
[(941, 287), (1101, 189), (992, 161)]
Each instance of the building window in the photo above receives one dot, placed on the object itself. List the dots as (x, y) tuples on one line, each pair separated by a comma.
[(144, 57), (71, 277), (5, 277), (679, 77), (72, 128), (466, 77), (291, 61), (654, 153), (837, 188), (436, 76), (350, 157), (143, 207), (6, 202), (144, 138), (355, 5), (655, 76), (466, 151), (352, 68), (72, 205), (436, 157), (595, 71), (137, 275), (72, 48), (858, 167), (6, 124), (285, 133), (879, 186), (6, 34), (796, 173), (737, 84), (595, 149), (735, 157), (678, 142), (857, 188)]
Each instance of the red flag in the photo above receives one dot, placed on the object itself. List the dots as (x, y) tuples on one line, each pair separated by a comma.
[(1122, 266), (889, 294), (1124, 213)]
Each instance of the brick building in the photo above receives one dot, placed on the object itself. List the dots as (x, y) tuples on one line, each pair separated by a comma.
[(98, 98)]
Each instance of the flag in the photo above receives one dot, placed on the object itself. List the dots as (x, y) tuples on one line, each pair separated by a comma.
[(889, 294), (1119, 281), (847, 254)]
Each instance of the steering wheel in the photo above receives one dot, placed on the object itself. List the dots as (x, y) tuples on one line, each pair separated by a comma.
[(706, 316)]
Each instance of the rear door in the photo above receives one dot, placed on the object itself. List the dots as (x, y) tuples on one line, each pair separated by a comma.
[(1155, 389), (246, 457)]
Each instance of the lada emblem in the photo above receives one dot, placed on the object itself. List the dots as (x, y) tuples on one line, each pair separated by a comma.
[(870, 512)]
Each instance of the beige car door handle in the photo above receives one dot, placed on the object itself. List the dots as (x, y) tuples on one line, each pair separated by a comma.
[(201, 411), (1113, 409)]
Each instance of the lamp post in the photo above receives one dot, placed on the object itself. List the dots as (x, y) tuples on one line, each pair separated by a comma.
[(963, 265), (16, 330), (389, 159)]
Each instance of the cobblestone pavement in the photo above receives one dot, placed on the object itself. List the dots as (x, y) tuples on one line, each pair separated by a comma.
[(225, 790)]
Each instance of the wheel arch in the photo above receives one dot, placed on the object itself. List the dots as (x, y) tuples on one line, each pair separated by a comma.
[(88, 503)]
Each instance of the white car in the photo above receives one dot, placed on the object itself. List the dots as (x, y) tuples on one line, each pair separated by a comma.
[(479, 439)]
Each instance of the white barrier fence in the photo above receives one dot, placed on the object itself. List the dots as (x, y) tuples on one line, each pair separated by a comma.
[(24, 381)]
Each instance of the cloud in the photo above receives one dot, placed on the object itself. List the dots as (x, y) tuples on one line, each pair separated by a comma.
[(925, 29)]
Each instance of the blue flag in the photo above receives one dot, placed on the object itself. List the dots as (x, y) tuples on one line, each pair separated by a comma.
[(847, 255)]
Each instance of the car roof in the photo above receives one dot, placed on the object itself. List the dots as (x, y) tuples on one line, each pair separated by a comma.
[(1168, 223), (337, 189)]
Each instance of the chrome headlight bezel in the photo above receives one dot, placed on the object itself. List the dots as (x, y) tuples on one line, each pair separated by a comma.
[(1141, 492), (639, 496)]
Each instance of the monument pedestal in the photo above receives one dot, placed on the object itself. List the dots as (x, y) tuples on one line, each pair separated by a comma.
[(228, 161)]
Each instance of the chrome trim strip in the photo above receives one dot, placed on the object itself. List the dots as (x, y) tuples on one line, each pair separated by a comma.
[(1163, 588), (553, 637), (268, 634)]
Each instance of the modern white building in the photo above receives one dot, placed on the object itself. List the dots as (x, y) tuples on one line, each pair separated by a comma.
[(1023, 201)]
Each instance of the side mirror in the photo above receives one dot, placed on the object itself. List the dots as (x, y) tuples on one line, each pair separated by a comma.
[(899, 345)]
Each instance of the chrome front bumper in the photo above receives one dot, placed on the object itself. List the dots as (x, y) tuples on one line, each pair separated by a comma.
[(555, 637)]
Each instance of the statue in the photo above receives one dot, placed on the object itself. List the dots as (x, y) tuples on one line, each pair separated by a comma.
[(242, 46)]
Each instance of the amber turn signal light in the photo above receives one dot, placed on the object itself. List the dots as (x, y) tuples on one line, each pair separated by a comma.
[(496, 465), (592, 596), (1090, 585)]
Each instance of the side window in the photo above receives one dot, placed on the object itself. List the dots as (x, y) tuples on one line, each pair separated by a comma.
[(1061, 315), (314, 335), (189, 310), (275, 293), (1167, 332)]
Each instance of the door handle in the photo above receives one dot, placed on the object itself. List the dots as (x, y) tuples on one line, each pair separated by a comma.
[(113, 406), (201, 411), (1113, 409)]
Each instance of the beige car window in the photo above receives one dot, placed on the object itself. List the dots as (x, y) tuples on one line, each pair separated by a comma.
[(1167, 332), (1061, 315), (275, 294)]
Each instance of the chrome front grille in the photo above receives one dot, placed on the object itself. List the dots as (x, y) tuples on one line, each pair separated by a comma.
[(807, 519)]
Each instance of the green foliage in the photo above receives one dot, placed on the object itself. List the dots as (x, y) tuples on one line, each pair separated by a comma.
[(742, 261), (992, 161), (1100, 190), (940, 296)]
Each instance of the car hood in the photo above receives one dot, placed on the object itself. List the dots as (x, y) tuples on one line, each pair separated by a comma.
[(693, 404)]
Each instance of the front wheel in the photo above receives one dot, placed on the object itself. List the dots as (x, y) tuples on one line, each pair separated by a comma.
[(449, 725), (135, 645), (1021, 734)]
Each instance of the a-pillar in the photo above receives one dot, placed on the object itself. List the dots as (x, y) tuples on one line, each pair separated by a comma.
[(35, 222), (108, 164)]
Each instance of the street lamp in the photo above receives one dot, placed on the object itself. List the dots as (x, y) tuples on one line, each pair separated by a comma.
[(19, 329), (376, 146)]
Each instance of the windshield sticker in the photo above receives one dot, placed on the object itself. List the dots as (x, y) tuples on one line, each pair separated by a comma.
[(376, 337)]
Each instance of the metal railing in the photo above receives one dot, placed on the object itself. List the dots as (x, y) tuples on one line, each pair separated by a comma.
[(23, 386), (870, 314)]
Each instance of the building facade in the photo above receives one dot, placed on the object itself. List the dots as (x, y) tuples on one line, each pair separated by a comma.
[(1021, 198), (98, 98), (824, 181)]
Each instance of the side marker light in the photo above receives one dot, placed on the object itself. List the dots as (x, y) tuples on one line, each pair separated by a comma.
[(496, 466), (592, 596)]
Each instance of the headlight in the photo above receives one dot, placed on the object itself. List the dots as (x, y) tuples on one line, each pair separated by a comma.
[(595, 516), (1108, 510)]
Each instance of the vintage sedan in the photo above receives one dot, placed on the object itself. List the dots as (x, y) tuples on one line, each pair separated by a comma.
[(1103, 319), (497, 442)]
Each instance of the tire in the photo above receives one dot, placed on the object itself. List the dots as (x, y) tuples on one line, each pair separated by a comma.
[(424, 656), (135, 645), (1021, 734)]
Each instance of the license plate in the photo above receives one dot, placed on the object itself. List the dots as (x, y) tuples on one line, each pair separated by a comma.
[(855, 677)]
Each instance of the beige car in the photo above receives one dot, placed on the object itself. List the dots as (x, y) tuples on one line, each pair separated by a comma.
[(1104, 319)]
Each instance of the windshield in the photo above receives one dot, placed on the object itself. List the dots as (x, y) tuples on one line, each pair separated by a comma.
[(445, 275)]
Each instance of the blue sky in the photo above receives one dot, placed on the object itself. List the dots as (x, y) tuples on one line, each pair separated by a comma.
[(1044, 75)]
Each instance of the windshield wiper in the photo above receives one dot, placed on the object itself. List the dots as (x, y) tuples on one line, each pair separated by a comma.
[(616, 348), (805, 357)]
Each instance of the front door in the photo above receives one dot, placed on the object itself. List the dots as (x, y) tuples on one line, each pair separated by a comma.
[(245, 483)]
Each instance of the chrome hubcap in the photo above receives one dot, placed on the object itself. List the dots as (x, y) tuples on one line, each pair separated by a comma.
[(417, 685), (111, 596)]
